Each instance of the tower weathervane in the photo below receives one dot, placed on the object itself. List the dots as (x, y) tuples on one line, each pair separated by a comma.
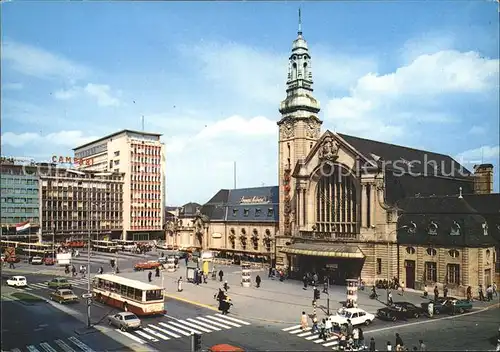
[(300, 23)]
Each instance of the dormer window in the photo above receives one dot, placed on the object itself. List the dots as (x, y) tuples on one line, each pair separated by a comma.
[(246, 211), (455, 229), (433, 229), (258, 211), (270, 212), (485, 229), (431, 251), (412, 228), (235, 212), (453, 253)]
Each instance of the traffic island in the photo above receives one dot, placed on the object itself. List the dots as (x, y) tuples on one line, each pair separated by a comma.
[(86, 330)]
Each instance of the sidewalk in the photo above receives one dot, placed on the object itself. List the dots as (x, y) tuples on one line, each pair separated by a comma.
[(274, 301)]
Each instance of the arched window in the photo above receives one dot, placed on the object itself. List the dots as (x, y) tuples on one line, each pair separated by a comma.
[(431, 251), (410, 250), (488, 253), (453, 253), (336, 202)]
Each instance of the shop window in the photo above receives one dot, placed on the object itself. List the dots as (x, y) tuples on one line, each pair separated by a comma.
[(379, 266), (431, 251), (453, 274), (431, 271), (453, 253), (410, 250)]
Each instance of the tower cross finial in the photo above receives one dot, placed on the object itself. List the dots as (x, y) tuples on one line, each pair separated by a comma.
[(300, 23)]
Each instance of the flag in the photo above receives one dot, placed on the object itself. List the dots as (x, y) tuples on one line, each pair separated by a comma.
[(23, 226)]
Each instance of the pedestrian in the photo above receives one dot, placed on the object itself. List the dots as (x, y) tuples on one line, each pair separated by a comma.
[(436, 293), (179, 285), (221, 275), (186, 260), (355, 337), (205, 277), (372, 345), (361, 338), (257, 281), (157, 272), (481, 293), (389, 298), (11, 264), (303, 321), (322, 330), (423, 347), (304, 281), (495, 292), (399, 340), (402, 288), (430, 309), (270, 273), (328, 326), (226, 304), (150, 276), (350, 327), (445, 291), (469, 293), (325, 285), (389, 346), (315, 327), (225, 286), (489, 293)]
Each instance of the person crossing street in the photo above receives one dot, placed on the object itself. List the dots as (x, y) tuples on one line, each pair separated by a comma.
[(150, 276)]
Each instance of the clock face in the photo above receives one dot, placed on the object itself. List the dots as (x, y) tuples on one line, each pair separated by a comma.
[(288, 129)]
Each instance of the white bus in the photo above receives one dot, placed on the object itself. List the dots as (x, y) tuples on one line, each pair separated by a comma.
[(129, 295), (123, 245), (104, 246)]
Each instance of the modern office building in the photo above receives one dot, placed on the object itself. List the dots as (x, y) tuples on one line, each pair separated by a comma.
[(76, 203), (141, 157), (19, 199)]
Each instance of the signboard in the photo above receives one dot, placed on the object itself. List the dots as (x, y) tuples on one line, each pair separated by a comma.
[(254, 200), (70, 160), (87, 295)]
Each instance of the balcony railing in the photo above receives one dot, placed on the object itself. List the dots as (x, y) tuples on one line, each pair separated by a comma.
[(326, 236)]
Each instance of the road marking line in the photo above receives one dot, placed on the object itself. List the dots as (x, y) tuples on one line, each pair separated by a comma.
[(208, 326), (64, 346), (214, 323), (146, 336), (15, 350), (191, 302), (299, 330), (234, 319), (165, 331), (185, 327), (223, 321), (47, 347), (130, 336), (175, 329), (309, 338), (32, 348), (304, 334), (291, 328), (80, 344), (333, 343), (426, 321), (154, 333), (331, 338), (195, 326)]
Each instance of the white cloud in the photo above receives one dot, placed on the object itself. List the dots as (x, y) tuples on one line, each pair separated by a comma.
[(477, 130), (12, 86), (69, 139), (479, 155), (101, 93), (37, 62), (395, 100)]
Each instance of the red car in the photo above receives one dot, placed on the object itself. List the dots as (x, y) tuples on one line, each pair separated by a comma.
[(49, 261), (152, 264)]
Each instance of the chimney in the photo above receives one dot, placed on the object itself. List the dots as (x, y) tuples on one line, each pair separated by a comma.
[(483, 179)]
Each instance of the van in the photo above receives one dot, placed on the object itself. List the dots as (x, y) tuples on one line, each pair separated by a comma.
[(17, 281)]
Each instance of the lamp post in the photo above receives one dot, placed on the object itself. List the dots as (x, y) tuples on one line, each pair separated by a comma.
[(389, 252)]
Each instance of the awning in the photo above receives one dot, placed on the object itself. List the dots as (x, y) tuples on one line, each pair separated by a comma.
[(324, 250)]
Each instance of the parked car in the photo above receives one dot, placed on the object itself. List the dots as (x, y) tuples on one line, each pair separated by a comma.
[(17, 281), (59, 283), (225, 348), (149, 265), (400, 311), (37, 261), (457, 306), (63, 296), (49, 261), (124, 321), (356, 315)]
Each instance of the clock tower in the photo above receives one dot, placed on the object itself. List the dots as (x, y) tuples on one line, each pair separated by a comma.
[(299, 128)]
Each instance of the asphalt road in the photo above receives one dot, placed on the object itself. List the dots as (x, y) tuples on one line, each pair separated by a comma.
[(39, 325), (473, 332), (157, 332)]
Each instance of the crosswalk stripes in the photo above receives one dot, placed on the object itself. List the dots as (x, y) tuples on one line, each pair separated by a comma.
[(179, 328), (44, 285), (73, 345), (308, 335)]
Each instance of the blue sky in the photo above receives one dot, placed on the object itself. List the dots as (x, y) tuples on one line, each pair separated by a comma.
[(210, 77)]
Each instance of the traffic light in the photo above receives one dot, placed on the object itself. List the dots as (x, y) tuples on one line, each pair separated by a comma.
[(196, 342), (316, 293)]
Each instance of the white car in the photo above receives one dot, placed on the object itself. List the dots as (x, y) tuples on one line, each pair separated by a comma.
[(37, 261), (17, 281), (357, 316)]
